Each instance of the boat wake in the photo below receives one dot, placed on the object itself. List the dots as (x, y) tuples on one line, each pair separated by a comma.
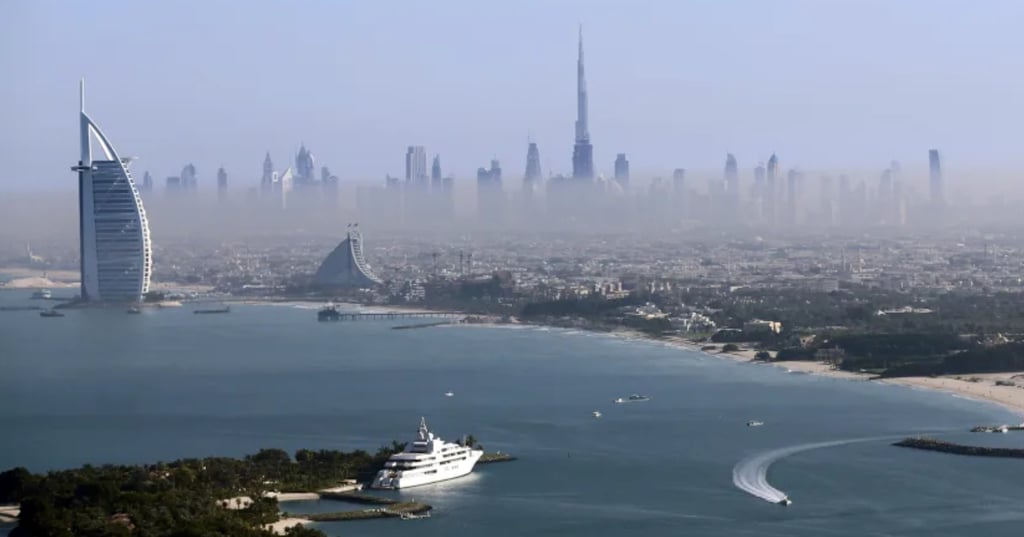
[(751, 474)]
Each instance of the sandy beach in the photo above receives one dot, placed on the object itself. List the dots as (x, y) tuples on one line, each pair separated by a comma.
[(279, 527), (1009, 393), (981, 387), (23, 278)]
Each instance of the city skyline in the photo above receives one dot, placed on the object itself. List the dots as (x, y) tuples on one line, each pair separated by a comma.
[(652, 101)]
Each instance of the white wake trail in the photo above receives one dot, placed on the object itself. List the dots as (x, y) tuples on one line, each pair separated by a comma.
[(751, 473)]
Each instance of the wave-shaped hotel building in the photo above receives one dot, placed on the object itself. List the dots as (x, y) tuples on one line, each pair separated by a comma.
[(116, 253), (346, 265)]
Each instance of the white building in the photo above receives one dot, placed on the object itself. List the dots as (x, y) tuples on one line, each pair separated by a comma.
[(116, 254)]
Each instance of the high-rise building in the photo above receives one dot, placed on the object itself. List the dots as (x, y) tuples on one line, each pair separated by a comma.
[(305, 166), (435, 173), (770, 196), (532, 177), (188, 177), (416, 165), (935, 178), (622, 171), (731, 178), (267, 179), (582, 152), (116, 254), (147, 182), (490, 197), (679, 194), (222, 184)]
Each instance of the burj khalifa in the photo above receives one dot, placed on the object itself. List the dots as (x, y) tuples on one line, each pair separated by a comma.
[(582, 151)]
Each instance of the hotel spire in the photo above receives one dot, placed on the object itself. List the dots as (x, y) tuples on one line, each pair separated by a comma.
[(583, 152), (582, 129)]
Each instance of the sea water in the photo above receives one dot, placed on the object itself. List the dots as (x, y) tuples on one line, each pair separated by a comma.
[(102, 386)]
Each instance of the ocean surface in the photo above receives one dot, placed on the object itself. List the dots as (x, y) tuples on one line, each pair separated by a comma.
[(101, 386)]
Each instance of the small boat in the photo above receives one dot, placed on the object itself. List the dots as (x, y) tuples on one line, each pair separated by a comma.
[(635, 398), (754, 423), (50, 313), (414, 516), (785, 501), (1003, 429), (449, 394), (597, 413), (134, 310), (42, 294)]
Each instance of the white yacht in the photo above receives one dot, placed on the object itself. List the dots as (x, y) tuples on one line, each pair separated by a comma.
[(428, 459), (596, 413)]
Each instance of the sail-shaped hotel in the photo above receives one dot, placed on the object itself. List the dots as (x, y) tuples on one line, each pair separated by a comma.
[(113, 231)]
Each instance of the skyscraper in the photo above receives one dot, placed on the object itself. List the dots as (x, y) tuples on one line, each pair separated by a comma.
[(622, 171), (533, 173), (771, 189), (435, 173), (267, 180), (679, 194), (305, 166), (188, 177), (416, 165), (582, 152), (147, 182), (116, 260), (731, 178), (935, 178), (222, 184), (490, 197)]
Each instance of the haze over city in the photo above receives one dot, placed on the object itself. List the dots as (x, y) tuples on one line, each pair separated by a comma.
[(829, 86)]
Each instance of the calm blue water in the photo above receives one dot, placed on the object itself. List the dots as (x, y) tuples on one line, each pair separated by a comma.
[(103, 386)]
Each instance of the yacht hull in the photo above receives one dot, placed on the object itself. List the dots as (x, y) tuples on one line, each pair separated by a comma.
[(394, 480)]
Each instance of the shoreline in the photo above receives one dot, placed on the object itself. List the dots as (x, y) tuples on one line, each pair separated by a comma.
[(981, 389)]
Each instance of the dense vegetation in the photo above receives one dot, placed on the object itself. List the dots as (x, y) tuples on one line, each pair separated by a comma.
[(995, 359), (177, 499)]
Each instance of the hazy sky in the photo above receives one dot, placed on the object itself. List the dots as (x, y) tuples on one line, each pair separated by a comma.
[(673, 83)]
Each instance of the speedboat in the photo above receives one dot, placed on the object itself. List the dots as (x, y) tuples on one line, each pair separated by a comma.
[(635, 398), (50, 313), (425, 460), (134, 310), (449, 393), (597, 413), (754, 423), (785, 501), (42, 294), (1003, 429)]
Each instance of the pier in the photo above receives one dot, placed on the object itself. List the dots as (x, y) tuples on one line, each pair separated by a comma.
[(386, 508), (930, 444), (392, 315)]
